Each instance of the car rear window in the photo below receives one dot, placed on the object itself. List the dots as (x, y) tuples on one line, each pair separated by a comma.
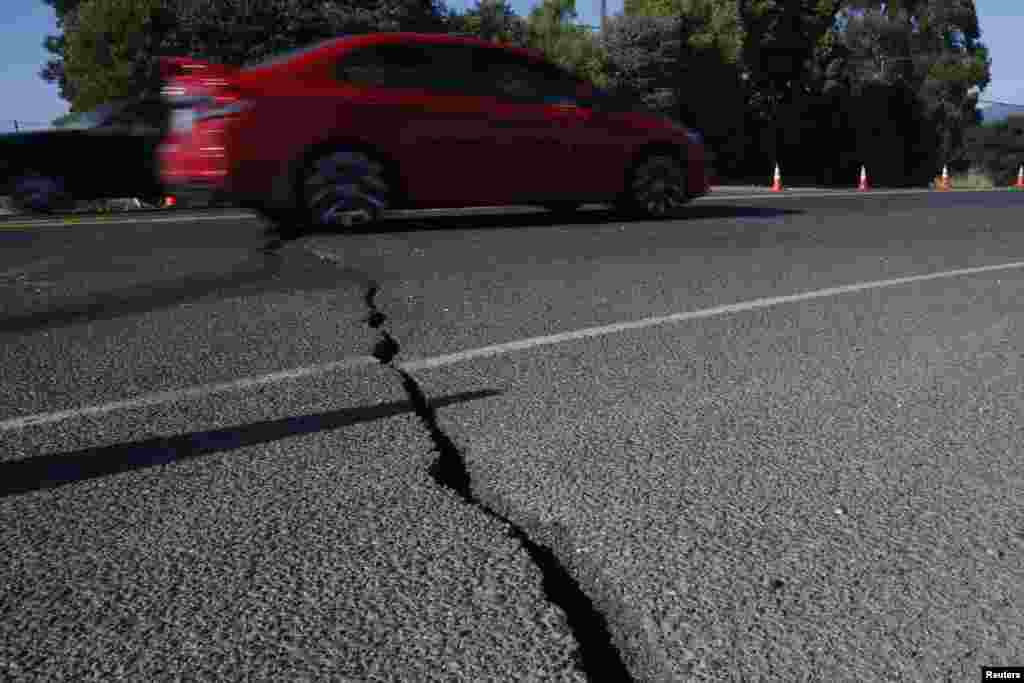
[(445, 68), (292, 54), (510, 76)]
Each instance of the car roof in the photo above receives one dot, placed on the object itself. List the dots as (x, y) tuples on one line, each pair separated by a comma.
[(335, 46)]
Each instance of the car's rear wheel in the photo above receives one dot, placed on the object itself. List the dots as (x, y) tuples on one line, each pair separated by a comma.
[(345, 187), (35, 192), (657, 187)]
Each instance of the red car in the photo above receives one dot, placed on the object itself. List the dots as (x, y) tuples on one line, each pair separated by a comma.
[(341, 131)]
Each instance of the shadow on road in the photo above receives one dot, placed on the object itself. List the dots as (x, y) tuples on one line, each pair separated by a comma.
[(49, 471), (295, 270), (583, 219)]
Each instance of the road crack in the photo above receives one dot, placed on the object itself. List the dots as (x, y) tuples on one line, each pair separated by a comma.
[(597, 656)]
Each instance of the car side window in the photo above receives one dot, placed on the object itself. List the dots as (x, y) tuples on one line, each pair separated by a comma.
[(443, 68), (385, 66), (514, 78)]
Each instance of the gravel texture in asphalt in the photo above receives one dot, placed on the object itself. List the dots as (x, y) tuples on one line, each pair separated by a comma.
[(824, 488)]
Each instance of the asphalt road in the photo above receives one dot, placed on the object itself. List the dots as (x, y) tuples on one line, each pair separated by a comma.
[(776, 439)]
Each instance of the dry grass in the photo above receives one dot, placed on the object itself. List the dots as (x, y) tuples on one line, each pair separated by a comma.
[(973, 180)]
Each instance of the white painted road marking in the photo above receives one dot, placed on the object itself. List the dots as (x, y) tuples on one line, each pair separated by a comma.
[(180, 394), (487, 351), (96, 220), (741, 307)]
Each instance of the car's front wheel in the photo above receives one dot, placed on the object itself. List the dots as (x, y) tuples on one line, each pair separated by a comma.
[(657, 187), (35, 192), (345, 187)]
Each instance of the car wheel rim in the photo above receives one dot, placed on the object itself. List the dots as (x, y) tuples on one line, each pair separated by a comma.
[(659, 186), (343, 188)]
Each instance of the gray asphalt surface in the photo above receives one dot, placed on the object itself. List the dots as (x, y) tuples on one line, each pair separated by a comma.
[(819, 490)]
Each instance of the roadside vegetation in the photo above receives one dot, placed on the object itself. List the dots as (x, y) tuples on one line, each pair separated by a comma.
[(997, 150), (821, 87)]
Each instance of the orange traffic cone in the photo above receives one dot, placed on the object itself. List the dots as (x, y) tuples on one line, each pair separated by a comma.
[(1020, 178), (945, 184), (863, 187), (169, 202), (777, 180)]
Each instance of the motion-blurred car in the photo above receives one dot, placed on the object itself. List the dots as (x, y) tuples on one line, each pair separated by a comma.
[(341, 131), (106, 153)]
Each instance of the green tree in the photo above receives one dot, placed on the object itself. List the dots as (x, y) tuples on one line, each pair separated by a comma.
[(53, 70), (683, 58), (780, 44), (106, 53), (62, 119), (998, 149), (642, 60), (240, 32), (551, 29), (494, 20), (930, 47), (109, 48)]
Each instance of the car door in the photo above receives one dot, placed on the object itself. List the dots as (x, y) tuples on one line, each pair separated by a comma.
[(530, 125), (410, 101)]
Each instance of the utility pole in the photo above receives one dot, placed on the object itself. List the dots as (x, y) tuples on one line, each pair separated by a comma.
[(604, 13), (16, 120)]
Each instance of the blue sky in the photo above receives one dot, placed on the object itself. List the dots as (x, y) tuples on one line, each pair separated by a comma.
[(24, 24)]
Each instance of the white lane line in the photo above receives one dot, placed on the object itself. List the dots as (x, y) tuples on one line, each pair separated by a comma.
[(182, 394), (743, 306), (68, 222), (486, 351)]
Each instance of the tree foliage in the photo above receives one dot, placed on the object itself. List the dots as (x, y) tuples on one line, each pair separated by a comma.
[(642, 60), (930, 47), (493, 20), (105, 55), (997, 149), (551, 29), (821, 86), (108, 48), (62, 119)]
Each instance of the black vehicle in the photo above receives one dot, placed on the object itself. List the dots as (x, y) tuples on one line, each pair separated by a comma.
[(106, 153)]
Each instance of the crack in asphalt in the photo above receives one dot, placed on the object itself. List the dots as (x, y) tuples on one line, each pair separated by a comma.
[(597, 655)]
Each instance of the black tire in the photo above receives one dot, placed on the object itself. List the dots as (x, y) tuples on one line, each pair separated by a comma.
[(344, 187), (656, 188)]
